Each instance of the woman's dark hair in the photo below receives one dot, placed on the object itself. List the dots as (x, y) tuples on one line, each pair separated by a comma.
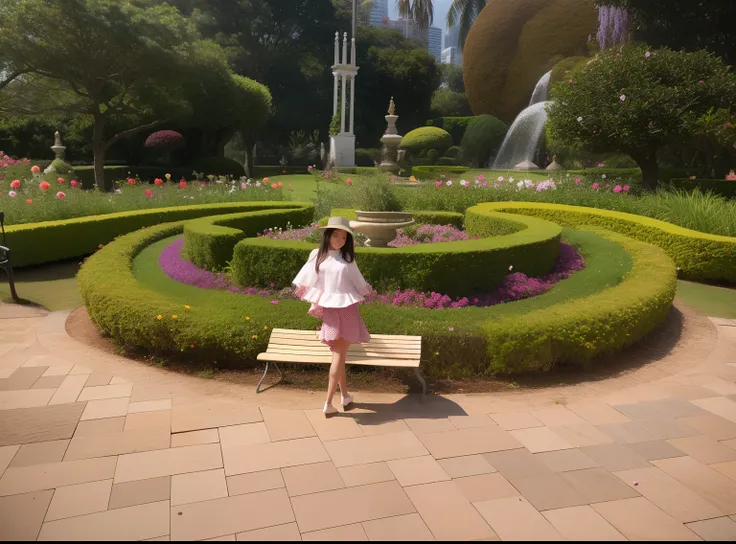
[(348, 250)]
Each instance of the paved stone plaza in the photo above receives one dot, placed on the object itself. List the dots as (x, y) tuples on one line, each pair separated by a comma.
[(94, 446)]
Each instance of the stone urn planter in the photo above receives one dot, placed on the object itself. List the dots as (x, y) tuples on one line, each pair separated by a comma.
[(380, 227)]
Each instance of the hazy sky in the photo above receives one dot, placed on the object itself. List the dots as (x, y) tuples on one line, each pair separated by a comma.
[(441, 8)]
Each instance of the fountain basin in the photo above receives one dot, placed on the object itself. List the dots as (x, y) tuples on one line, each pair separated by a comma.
[(380, 227)]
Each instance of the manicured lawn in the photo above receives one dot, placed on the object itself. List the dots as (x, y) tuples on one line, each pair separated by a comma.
[(53, 286), (708, 299)]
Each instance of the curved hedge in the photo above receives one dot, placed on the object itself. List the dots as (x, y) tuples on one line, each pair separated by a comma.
[(49, 241), (209, 241), (456, 343), (699, 256), (454, 268), (426, 138)]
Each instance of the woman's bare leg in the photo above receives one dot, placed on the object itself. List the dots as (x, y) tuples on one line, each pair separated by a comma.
[(343, 379), (337, 368)]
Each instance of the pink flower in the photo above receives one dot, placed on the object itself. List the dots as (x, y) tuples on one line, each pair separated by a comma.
[(622, 97), (12, 193), (617, 189), (15, 184), (595, 186), (182, 184), (60, 180), (700, 82), (438, 184), (74, 183), (131, 181), (274, 186), (607, 186), (243, 186), (731, 175), (349, 181), (569, 80), (44, 186), (274, 302), (60, 195), (626, 188), (29, 201), (496, 185), (577, 181), (35, 169), (149, 193), (647, 54), (484, 184), (452, 329)]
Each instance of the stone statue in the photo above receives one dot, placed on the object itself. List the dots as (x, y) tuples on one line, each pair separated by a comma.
[(57, 139), (392, 107)]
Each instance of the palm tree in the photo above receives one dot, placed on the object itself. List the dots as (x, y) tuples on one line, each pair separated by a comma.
[(420, 11), (464, 12)]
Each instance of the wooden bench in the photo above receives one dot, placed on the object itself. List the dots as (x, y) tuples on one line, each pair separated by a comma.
[(296, 346)]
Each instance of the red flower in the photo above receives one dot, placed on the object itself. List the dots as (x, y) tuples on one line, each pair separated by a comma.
[(274, 186), (74, 183), (183, 184), (15, 184), (158, 181), (131, 181), (148, 192), (29, 201), (35, 169), (60, 195), (280, 184), (60, 180), (44, 186)]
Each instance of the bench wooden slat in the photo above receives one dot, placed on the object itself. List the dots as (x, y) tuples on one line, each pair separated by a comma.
[(326, 353), (378, 336), (374, 341), (316, 344), (326, 359)]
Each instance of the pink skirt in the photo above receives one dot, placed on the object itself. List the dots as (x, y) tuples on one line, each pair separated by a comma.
[(344, 323)]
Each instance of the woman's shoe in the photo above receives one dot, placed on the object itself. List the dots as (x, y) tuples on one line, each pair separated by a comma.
[(347, 401), (329, 410)]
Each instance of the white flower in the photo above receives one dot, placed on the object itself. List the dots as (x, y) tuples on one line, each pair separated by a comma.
[(580, 119), (511, 267), (622, 97), (500, 178), (449, 183), (511, 180), (520, 184), (603, 176)]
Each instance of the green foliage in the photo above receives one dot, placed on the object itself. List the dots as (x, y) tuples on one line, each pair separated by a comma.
[(435, 172), (482, 139), (529, 246), (376, 194), (448, 161), (451, 77), (335, 123), (433, 156), (453, 152), (636, 104), (722, 187), (218, 166), (560, 70), (209, 241), (425, 138), (456, 126), (450, 103), (367, 157)]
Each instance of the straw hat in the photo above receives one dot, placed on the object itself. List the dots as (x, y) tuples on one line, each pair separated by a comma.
[(339, 223)]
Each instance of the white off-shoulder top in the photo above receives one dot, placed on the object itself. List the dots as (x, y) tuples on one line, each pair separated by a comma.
[(339, 284)]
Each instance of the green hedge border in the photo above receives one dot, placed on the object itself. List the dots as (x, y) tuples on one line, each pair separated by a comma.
[(723, 187), (454, 268), (50, 241), (484, 342), (699, 256), (431, 172)]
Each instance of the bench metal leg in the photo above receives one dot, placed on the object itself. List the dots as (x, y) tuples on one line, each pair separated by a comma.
[(258, 387), (421, 380)]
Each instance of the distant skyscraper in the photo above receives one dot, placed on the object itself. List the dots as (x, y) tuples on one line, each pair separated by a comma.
[(434, 42), (379, 11), (452, 55), (452, 37)]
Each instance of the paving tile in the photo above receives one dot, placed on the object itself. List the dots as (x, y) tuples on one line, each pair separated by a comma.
[(468, 465), (484, 487), (132, 523), (105, 392), (519, 463), (671, 496), (286, 424), (53, 475), (117, 379), (711, 485), (346, 533), (80, 499), (243, 435), (102, 445), (100, 409), (373, 424), (677, 408), (191, 438), (564, 460), (548, 492), (720, 406), (704, 449), (21, 379), (539, 439), (69, 389), (48, 382), (281, 533), (372, 473), (139, 421), (208, 415), (40, 453), (515, 420), (626, 433), (198, 486), (230, 515), (467, 422), (167, 462), (597, 412), (727, 469), (513, 518), (469, 441), (253, 482), (339, 427), (638, 410), (311, 478), (287, 453), (429, 425), (42, 424), (402, 528), (581, 434), (659, 449), (29, 398), (99, 426), (665, 429), (6, 456), (226, 538), (372, 449), (717, 529), (615, 457), (638, 519), (582, 523), (711, 425), (447, 513), (557, 415), (21, 516), (598, 485), (140, 492), (96, 378), (721, 386), (149, 406)]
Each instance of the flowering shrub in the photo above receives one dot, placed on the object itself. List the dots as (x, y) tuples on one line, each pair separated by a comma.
[(165, 140)]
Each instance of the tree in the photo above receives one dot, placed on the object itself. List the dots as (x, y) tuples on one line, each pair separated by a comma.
[(420, 11), (108, 59), (637, 100), (450, 104), (451, 78), (687, 25), (463, 13)]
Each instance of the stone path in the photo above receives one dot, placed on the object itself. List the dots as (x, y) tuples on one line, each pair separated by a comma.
[(93, 446)]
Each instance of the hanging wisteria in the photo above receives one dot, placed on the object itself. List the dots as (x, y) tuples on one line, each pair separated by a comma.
[(613, 26)]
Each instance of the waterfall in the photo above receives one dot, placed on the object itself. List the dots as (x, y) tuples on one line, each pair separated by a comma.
[(540, 89), (522, 139)]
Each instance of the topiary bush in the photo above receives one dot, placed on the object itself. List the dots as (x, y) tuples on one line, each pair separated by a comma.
[(453, 152), (425, 138), (454, 125), (165, 140), (482, 139), (433, 156), (447, 161), (367, 157), (218, 166)]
